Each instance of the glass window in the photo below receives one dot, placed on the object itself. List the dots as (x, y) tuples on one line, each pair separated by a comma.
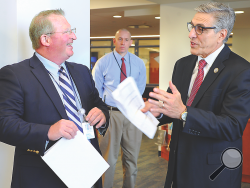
[(149, 42), (100, 43), (131, 50), (97, 53), (151, 57)]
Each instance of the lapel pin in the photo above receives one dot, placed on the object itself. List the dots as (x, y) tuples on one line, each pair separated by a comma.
[(216, 70)]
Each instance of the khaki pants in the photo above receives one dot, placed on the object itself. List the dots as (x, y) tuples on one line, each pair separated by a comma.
[(121, 133)]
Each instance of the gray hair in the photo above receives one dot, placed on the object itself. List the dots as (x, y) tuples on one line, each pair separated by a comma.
[(223, 14), (40, 25)]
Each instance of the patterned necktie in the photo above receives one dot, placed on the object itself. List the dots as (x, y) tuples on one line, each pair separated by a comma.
[(69, 98), (123, 71), (197, 82)]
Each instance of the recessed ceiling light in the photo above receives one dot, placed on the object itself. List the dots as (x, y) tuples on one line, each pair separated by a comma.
[(238, 12), (117, 16), (157, 17), (139, 26)]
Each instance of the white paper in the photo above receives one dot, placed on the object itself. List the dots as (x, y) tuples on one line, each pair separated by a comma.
[(129, 101), (76, 162)]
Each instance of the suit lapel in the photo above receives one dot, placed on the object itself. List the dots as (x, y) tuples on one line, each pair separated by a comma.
[(80, 83), (211, 75), (43, 77), (185, 80)]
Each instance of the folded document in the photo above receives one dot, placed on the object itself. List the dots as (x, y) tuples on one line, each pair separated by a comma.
[(129, 101)]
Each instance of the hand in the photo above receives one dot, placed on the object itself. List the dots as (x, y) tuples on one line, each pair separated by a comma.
[(63, 128), (172, 105), (96, 115), (148, 107)]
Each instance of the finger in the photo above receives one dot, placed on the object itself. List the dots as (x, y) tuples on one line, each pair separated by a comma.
[(97, 119), (65, 133), (157, 96), (91, 112), (70, 131), (93, 117), (70, 124), (103, 121), (158, 111), (173, 88), (146, 107), (162, 92), (155, 104)]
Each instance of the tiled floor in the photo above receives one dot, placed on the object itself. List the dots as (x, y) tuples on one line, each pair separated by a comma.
[(152, 169)]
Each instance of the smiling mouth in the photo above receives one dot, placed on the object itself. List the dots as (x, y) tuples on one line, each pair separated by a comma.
[(69, 44)]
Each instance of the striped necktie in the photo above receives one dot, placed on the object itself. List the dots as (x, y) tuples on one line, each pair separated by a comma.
[(69, 98), (198, 81)]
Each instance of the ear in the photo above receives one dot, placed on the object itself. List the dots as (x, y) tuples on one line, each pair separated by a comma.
[(131, 41), (222, 34), (114, 41), (45, 40)]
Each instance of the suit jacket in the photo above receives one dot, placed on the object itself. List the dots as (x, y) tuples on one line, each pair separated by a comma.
[(29, 105), (215, 121)]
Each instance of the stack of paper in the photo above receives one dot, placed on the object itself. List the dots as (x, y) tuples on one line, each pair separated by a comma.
[(129, 101), (76, 162)]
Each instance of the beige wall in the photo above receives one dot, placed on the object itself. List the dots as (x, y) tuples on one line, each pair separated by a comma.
[(174, 41), (241, 43)]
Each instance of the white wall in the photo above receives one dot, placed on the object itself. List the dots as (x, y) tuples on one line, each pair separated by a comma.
[(8, 32), (174, 41), (16, 16), (77, 14)]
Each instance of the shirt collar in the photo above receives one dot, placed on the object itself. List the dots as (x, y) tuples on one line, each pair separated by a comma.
[(211, 58), (49, 65), (119, 57)]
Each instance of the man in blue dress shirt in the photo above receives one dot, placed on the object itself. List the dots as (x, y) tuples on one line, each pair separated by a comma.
[(108, 72)]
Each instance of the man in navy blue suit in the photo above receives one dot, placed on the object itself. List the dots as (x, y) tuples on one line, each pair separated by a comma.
[(208, 102), (32, 104)]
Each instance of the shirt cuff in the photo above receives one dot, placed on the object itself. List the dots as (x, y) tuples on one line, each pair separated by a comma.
[(160, 116)]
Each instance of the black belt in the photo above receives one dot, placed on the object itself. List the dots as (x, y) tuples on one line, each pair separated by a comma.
[(113, 108)]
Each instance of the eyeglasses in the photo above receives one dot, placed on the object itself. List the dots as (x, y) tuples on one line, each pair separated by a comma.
[(198, 29), (69, 32)]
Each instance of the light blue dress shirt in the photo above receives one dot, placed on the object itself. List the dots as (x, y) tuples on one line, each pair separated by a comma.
[(107, 73), (54, 75)]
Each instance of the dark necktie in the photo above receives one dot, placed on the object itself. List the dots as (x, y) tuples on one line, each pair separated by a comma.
[(69, 98), (123, 70), (197, 82)]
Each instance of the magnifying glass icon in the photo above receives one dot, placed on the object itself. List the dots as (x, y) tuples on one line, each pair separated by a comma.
[(231, 158)]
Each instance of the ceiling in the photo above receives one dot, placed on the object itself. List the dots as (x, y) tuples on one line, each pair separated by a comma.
[(141, 12)]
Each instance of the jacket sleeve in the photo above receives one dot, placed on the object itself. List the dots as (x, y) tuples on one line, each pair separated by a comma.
[(13, 129)]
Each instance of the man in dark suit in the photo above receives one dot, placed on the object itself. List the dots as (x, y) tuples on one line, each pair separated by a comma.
[(33, 113), (214, 83)]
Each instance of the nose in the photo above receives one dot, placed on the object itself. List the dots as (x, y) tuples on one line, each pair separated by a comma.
[(192, 33), (73, 36)]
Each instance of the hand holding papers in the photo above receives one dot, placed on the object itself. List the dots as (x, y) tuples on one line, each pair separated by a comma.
[(129, 101), (76, 162)]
